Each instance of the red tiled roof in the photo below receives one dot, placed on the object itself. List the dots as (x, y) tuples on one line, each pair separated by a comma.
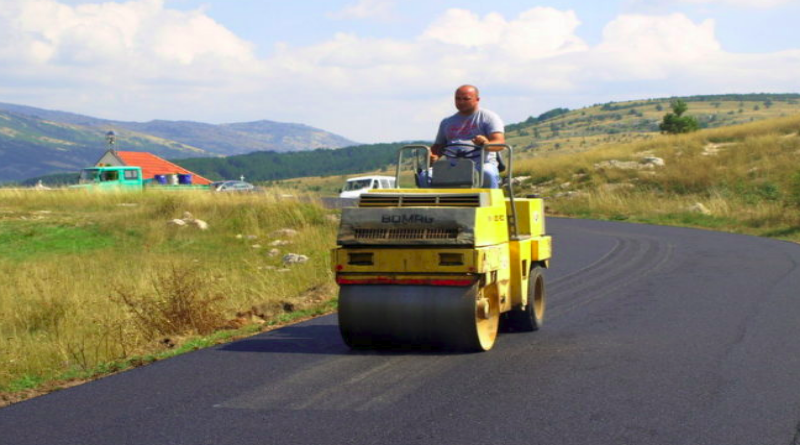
[(153, 165)]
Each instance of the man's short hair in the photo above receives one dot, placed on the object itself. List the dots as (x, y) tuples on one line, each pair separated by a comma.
[(477, 92)]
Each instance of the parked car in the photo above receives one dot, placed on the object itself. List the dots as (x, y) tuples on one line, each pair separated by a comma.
[(354, 187), (232, 186)]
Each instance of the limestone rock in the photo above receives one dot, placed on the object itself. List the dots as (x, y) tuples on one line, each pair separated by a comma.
[(294, 258)]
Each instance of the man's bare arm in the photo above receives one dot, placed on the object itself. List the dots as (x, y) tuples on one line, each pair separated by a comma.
[(494, 138)]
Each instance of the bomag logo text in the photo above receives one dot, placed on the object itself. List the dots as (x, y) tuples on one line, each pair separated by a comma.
[(406, 219)]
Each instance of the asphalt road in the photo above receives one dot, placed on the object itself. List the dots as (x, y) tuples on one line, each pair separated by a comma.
[(653, 336)]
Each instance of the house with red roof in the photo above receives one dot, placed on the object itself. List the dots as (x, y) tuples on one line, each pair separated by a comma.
[(150, 164)]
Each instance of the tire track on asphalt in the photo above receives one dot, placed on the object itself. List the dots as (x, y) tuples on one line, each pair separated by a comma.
[(630, 260)]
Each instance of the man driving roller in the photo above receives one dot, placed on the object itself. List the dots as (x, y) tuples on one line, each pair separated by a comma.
[(472, 125)]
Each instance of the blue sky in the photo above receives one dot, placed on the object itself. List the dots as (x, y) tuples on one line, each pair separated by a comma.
[(384, 70)]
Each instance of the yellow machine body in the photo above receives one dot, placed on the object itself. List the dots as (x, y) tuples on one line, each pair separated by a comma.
[(418, 245)]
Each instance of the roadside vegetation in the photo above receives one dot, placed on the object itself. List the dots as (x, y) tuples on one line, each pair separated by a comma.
[(743, 178), (98, 282)]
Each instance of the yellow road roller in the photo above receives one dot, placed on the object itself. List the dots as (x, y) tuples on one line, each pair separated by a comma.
[(443, 264)]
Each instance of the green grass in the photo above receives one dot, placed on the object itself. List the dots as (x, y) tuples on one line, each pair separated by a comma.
[(26, 241), (94, 281)]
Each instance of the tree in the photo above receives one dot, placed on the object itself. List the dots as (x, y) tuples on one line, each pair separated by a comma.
[(676, 122)]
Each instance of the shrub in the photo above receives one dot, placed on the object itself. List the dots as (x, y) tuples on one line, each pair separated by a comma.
[(181, 304)]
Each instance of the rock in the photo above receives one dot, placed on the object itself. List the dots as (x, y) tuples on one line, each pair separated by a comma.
[(280, 242), (699, 208), (519, 179), (285, 232), (239, 236), (274, 252), (176, 222), (653, 161), (252, 237), (294, 258), (256, 246)]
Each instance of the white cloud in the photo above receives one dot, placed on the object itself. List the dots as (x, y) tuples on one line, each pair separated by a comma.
[(648, 47), (536, 33), (134, 35), (366, 9)]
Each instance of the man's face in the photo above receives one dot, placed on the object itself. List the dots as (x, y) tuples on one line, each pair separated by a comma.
[(466, 100)]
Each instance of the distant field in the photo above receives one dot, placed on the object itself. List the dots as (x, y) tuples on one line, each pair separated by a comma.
[(94, 280)]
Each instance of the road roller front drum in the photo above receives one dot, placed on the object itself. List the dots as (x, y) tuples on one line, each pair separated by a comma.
[(461, 318)]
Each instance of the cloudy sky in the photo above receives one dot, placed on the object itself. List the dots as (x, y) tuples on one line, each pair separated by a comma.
[(384, 70)]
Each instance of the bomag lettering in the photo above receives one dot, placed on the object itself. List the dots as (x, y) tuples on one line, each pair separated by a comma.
[(406, 219)]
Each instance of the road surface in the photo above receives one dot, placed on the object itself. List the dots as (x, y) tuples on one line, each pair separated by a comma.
[(653, 335)]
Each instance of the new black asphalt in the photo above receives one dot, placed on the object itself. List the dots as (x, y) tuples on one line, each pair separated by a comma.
[(653, 335)]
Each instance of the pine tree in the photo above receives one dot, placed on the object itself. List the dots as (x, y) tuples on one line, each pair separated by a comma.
[(676, 122)]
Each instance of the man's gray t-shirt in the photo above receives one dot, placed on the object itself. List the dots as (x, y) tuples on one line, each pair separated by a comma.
[(460, 129)]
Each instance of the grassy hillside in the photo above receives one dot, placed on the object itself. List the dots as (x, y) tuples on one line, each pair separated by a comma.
[(744, 178), (624, 122), (97, 282)]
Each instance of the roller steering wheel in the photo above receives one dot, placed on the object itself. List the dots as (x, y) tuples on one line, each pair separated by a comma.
[(448, 151)]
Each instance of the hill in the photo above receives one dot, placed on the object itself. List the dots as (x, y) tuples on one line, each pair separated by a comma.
[(35, 141), (743, 178), (622, 122), (31, 146)]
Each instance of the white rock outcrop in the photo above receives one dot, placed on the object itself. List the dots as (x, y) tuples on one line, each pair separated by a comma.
[(294, 258)]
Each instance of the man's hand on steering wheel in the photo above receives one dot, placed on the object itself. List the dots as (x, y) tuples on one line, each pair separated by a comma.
[(480, 139)]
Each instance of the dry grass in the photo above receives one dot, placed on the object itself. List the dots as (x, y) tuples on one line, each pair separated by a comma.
[(92, 278), (746, 176)]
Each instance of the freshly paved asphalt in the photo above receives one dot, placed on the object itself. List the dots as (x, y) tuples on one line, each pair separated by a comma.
[(653, 336)]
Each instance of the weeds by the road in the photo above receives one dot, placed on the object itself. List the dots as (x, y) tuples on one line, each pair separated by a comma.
[(93, 279)]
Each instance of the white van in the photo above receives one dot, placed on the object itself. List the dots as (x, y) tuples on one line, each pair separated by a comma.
[(354, 187)]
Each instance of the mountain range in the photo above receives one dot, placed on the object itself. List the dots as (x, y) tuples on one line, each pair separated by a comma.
[(36, 141)]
